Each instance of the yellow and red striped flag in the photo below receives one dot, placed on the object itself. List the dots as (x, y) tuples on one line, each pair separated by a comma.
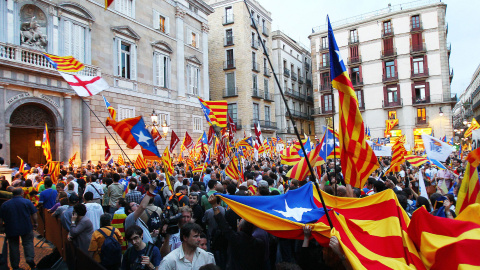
[(167, 161), (473, 126), (120, 160), (21, 168), (416, 161), (64, 63), (108, 3), (232, 168), (72, 159), (389, 125), (469, 192), (358, 159), (301, 170), (110, 109), (290, 156), (140, 162), (47, 151), (54, 170), (190, 164), (215, 112), (398, 155)]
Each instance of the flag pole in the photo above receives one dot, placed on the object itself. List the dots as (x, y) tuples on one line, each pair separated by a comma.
[(290, 116), (133, 165)]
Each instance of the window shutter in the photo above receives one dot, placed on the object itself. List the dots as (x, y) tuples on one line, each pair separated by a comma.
[(427, 91), (411, 65), (189, 32), (156, 20), (161, 70), (67, 37), (155, 69), (132, 3), (167, 25), (117, 59), (399, 97), (425, 64), (385, 96), (133, 60), (395, 64), (167, 72), (197, 80), (414, 96)]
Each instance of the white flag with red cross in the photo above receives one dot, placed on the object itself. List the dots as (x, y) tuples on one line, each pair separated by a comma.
[(85, 86)]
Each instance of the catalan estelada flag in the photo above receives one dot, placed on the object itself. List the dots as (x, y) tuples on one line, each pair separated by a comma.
[(358, 159), (473, 126), (283, 215), (447, 243), (140, 163), (64, 63), (111, 110), (47, 151), (215, 112), (389, 125), (123, 129), (469, 192)]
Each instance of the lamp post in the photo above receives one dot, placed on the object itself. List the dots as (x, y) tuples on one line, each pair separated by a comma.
[(154, 117), (165, 128)]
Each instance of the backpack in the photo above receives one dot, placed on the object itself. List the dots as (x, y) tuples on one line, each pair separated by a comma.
[(111, 252), (153, 221)]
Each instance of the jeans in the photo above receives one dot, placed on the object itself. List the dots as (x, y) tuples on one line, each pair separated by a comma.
[(13, 245)]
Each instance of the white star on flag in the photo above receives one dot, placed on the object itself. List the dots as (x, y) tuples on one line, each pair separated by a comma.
[(295, 213), (141, 138)]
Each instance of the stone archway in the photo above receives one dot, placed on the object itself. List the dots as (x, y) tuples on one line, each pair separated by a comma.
[(27, 123)]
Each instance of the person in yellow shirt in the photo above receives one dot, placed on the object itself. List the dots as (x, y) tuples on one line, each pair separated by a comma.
[(30, 193), (95, 248)]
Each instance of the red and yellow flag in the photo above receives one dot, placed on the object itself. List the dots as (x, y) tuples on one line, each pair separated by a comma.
[(398, 155), (72, 159), (358, 159), (108, 3), (123, 129), (215, 112), (120, 160), (140, 162), (301, 170), (472, 127), (389, 125), (47, 151), (54, 170), (167, 161), (21, 168), (64, 63), (416, 161), (469, 192), (232, 169)]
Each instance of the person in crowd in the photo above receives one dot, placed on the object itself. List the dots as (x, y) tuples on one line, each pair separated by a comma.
[(95, 188), (189, 255), (48, 196), (133, 194), (94, 210), (98, 238), (173, 241), (114, 192), (66, 216), (139, 254), (18, 219), (81, 228)]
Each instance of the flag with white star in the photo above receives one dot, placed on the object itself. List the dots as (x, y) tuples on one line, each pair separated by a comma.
[(145, 140)]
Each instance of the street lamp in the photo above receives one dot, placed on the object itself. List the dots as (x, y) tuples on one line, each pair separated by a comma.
[(38, 143), (165, 128), (440, 111), (465, 122), (154, 117)]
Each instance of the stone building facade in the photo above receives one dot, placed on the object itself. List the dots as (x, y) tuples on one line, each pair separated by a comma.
[(239, 72), (292, 62), (398, 61), (153, 54)]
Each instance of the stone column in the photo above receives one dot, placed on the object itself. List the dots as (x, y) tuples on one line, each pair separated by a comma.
[(67, 128), (86, 129), (181, 77), (3, 122), (206, 80)]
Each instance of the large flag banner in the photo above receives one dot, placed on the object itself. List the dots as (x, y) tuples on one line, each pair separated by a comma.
[(231, 125), (174, 140), (64, 63), (85, 86), (473, 126), (111, 110), (469, 192), (215, 112), (330, 144), (145, 140), (140, 163), (123, 129), (380, 150), (167, 161), (438, 239), (357, 158), (258, 134), (47, 151), (108, 153), (436, 149)]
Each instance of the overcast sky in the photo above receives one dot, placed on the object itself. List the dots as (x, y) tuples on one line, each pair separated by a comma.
[(297, 18)]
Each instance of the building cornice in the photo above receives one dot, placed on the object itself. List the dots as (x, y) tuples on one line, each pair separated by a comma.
[(282, 36)]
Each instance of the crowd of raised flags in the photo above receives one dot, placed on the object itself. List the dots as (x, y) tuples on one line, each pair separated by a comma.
[(374, 232)]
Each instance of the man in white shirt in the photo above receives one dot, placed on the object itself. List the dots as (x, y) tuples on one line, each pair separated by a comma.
[(70, 178), (94, 210), (94, 188), (189, 255)]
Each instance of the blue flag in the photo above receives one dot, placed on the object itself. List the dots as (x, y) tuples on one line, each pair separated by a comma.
[(144, 138)]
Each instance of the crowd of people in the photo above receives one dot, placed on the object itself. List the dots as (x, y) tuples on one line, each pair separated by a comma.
[(129, 219)]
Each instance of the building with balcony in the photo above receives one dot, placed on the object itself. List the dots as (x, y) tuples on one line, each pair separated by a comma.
[(239, 70), (154, 59), (292, 62), (398, 62)]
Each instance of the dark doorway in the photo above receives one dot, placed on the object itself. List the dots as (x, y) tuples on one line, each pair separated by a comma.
[(27, 125)]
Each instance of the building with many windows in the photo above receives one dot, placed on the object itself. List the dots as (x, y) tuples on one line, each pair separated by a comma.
[(239, 71), (292, 62), (153, 54), (398, 61)]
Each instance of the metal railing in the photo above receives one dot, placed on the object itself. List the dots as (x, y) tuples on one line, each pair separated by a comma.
[(387, 32), (295, 94), (298, 114), (268, 96), (309, 98), (354, 60), (423, 74), (324, 66), (294, 76), (415, 27), (389, 53), (286, 72), (418, 48), (307, 66), (326, 86), (357, 80), (228, 41), (300, 79), (353, 40), (265, 31), (257, 93), (309, 82), (230, 92), (229, 64), (227, 19), (238, 123), (323, 47), (390, 77), (418, 100), (419, 121), (387, 104), (324, 111), (267, 124), (255, 44), (267, 72), (33, 58)]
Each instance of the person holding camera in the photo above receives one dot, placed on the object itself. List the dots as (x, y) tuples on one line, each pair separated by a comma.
[(188, 255), (172, 240), (140, 255)]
